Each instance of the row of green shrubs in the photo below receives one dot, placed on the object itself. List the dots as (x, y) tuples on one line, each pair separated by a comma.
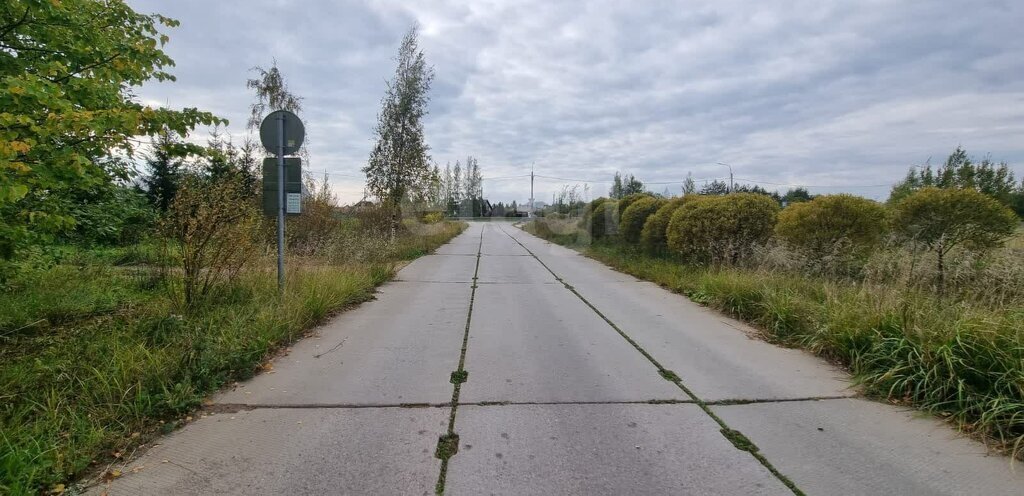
[(728, 229)]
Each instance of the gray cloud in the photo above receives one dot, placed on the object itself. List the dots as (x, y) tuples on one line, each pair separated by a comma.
[(839, 94)]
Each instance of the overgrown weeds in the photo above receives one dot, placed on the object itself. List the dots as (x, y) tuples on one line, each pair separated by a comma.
[(94, 359)]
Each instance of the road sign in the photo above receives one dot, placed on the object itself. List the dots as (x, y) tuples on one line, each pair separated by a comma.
[(292, 186), (294, 132)]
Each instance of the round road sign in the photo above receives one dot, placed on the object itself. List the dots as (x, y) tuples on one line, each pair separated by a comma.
[(294, 132)]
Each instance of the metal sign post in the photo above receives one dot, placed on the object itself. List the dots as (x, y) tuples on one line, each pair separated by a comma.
[(281, 133), (280, 202)]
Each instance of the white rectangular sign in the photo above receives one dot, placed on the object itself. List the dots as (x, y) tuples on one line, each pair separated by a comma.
[(293, 204)]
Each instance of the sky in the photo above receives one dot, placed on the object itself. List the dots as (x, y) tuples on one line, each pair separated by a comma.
[(834, 96)]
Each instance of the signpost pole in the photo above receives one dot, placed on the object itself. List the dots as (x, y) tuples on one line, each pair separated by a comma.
[(280, 203)]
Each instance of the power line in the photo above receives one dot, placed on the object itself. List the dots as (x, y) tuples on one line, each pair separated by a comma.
[(817, 185), (505, 177)]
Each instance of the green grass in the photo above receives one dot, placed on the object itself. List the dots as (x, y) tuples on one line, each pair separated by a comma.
[(960, 359), (96, 359)]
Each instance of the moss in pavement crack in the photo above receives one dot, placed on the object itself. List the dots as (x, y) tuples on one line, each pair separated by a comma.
[(459, 376)]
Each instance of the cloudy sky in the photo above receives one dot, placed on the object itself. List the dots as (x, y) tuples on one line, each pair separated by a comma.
[(837, 96)]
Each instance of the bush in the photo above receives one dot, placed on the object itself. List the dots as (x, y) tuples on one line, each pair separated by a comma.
[(832, 223), (432, 217), (939, 220), (633, 218), (111, 215), (628, 200), (652, 237), (312, 232), (588, 211), (603, 222), (722, 229), (215, 227)]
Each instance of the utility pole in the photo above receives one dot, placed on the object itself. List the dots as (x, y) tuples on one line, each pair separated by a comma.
[(531, 190), (730, 175)]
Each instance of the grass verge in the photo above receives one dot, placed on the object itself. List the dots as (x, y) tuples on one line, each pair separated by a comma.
[(960, 360), (95, 360)]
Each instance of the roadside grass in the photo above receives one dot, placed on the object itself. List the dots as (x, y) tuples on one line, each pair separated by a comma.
[(95, 360), (961, 359)]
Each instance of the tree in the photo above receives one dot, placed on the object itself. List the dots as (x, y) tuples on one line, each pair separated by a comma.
[(689, 187), (165, 170), (632, 186), (249, 169), (833, 224), (939, 220), (457, 184), (436, 196), (960, 171), (616, 190), (474, 187), (272, 94), (746, 188), (715, 187), (67, 70), (633, 218), (722, 229), (797, 195), (399, 161), (221, 157)]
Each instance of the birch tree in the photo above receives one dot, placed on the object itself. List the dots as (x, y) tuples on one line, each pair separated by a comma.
[(399, 164)]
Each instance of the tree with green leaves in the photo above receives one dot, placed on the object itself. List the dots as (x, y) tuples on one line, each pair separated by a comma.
[(616, 190), (165, 170), (632, 186), (66, 95), (715, 188), (939, 220), (474, 187), (797, 195), (399, 161), (960, 172), (689, 187), (273, 94), (220, 158)]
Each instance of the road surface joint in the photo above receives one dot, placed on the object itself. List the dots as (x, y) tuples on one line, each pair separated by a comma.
[(734, 436), (448, 444)]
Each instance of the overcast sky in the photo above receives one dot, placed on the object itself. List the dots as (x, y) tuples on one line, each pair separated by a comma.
[(838, 96)]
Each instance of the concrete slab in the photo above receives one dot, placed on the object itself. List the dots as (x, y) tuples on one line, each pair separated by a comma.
[(496, 243), (439, 268), (400, 348), (717, 357), (570, 265), (513, 270), (465, 249), (599, 450), (293, 451), (541, 343), (466, 243), (859, 447)]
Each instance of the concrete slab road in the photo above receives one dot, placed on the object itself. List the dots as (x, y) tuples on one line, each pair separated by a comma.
[(507, 365)]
